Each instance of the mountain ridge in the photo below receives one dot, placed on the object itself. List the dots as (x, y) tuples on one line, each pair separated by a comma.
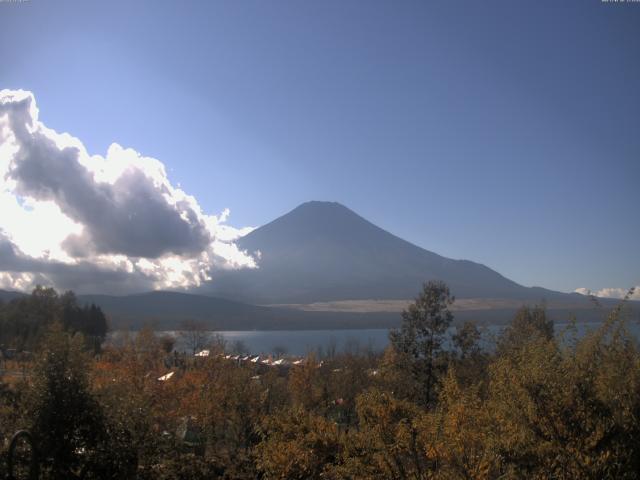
[(323, 251)]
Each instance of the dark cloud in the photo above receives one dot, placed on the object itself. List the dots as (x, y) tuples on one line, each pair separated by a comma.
[(136, 215), (9, 260), (82, 277)]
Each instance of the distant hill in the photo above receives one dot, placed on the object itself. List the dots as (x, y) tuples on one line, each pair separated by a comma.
[(8, 295), (322, 251), (166, 310)]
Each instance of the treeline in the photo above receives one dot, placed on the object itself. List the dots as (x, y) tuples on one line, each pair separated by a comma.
[(541, 404), (24, 320)]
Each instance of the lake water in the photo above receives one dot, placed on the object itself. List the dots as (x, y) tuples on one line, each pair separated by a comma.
[(302, 342)]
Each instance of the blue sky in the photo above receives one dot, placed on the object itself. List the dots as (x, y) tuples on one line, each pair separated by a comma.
[(503, 132)]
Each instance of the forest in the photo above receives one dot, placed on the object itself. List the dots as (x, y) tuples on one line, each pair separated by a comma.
[(539, 403)]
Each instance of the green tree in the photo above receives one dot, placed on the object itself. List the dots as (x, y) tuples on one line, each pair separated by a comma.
[(89, 320), (424, 325), (469, 359), (466, 340), (24, 320), (68, 424)]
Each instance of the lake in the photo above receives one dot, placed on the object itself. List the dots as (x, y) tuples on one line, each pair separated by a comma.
[(302, 342)]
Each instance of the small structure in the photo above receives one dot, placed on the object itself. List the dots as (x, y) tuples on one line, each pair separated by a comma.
[(166, 377), (203, 353)]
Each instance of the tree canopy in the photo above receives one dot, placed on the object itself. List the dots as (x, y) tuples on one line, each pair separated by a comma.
[(24, 320)]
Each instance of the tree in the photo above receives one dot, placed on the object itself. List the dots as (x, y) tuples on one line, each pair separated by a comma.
[(217, 343), (528, 323), (298, 444), (68, 423), (89, 320), (386, 444), (280, 350), (306, 386), (458, 436), (568, 413), (466, 339), (424, 325), (167, 342), (469, 359), (239, 347), (194, 335), (26, 317), (24, 320)]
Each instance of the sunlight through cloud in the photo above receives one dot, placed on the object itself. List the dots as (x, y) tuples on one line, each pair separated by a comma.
[(118, 213)]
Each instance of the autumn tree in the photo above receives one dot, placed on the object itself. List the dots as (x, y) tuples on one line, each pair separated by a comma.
[(306, 385), (387, 443), (528, 322), (459, 435), (394, 373), (569, 411), (298, 444)]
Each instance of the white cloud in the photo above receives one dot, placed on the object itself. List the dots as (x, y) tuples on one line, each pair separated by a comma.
[(610, 292), (25, 223), (16, 281), (67, 214)]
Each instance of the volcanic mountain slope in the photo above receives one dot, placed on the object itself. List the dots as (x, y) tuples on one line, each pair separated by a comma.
[(323, 251)]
